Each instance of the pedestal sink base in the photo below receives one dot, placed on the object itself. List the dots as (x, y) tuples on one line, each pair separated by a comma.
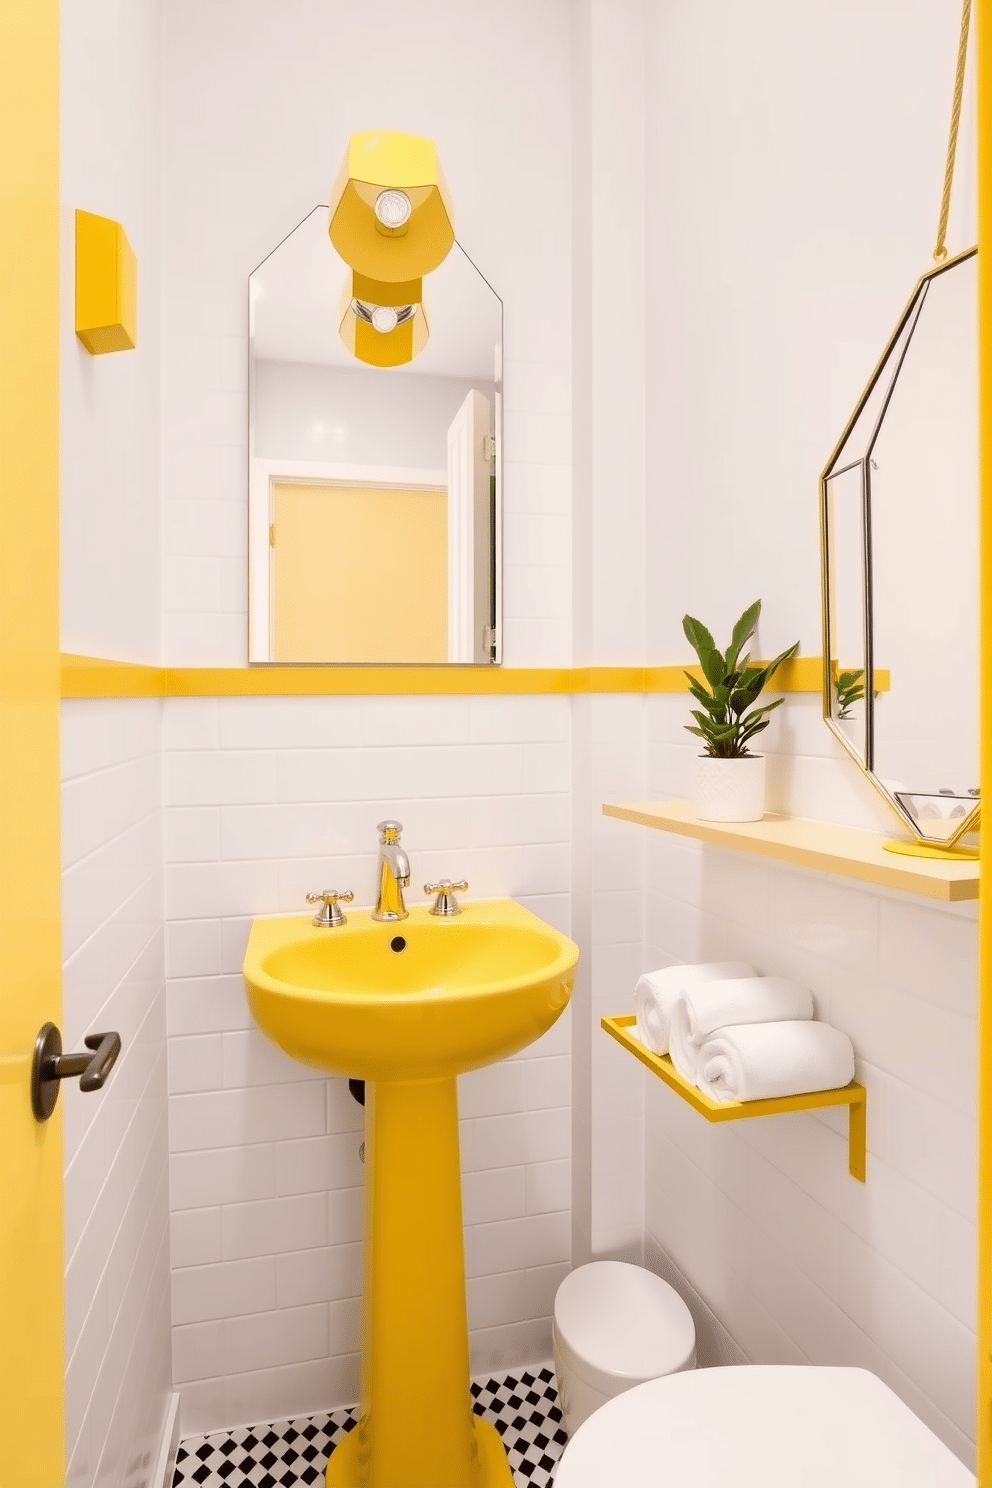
[(349, 1465), (416, 1426)]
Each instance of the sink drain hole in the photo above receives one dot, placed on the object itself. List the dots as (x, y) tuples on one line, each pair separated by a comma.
[(398, 943)]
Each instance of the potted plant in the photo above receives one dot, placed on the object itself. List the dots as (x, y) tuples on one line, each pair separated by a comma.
[(730, 780)]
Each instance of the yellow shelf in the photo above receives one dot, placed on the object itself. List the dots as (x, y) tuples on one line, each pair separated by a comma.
[(810, 844), (854, 1096)]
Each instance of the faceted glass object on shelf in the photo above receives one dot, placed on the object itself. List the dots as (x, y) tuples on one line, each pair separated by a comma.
[(939, 816), (899, 514)]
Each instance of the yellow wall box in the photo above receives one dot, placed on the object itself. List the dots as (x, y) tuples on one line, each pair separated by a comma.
[(106, 285), (854, 1096)]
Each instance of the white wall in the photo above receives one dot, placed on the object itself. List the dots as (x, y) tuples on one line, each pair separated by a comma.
[(110, 164), (259, 106), (118, 1342), (608, 610), (264, 803), (794, 174), (118, 1339), (355, 417)]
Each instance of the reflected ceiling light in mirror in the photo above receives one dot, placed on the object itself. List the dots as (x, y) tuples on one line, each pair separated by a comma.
[(390, 212), (384, 325), (393, 209)]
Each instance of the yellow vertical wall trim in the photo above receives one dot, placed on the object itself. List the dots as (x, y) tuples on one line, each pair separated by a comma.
[(32, 1447), (983, 33)]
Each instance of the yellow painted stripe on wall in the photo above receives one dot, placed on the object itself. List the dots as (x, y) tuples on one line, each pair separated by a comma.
[(32, 1433), (91, 677)]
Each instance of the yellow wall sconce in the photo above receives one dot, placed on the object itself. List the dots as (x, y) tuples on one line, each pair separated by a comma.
[(391, 217), (106, 285), (384, 325)]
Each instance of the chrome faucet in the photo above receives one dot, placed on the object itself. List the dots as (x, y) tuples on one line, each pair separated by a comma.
[(393, 874)]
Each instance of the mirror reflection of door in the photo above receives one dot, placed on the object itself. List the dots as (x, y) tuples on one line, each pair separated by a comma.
[(379, 484), (359, 573), (470, 590)]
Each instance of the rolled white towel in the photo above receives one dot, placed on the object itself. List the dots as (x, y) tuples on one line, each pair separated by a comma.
[(700, 1011), (657, 992), (758, 1061)]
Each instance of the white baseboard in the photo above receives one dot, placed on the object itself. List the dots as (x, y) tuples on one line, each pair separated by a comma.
[(714, 1345), (165, 1467)]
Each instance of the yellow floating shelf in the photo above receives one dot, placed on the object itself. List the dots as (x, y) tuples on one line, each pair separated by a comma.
[(809, 844), (854, 1096)]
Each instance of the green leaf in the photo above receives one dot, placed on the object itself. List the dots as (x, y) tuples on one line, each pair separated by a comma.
[(773, 666), (749, 733), (697, 635), (743, 631), (766, 708), (744, 697), (712, 664), (699, 691)]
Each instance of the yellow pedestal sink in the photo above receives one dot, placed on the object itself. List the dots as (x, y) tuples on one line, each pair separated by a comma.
[(408, 1006)]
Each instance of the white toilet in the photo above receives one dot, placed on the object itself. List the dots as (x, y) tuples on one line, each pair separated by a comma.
[(759, 1426), (615, 1326)]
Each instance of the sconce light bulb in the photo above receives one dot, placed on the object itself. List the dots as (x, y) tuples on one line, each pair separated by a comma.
[(385, 318), (392, 207)]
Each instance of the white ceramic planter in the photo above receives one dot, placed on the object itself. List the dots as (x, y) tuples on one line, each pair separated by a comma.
[(730, 790)]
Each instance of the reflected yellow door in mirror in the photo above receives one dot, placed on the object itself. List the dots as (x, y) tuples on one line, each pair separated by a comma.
[(359, 573), (32, 1439)]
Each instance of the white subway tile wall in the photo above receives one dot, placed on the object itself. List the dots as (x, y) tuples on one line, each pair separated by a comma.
[(798, 1261), (266, 799), (616, 955), (118, 1339)]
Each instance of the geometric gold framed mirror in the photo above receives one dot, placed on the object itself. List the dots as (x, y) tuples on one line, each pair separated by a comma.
[(899, 552)]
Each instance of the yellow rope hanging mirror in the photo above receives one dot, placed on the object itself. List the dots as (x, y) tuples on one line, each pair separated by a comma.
[(940, 252)]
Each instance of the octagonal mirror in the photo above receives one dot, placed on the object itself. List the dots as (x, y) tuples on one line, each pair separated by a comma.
[(899, 531)]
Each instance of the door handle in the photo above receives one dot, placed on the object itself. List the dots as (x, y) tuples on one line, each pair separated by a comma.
[(50, 1066)]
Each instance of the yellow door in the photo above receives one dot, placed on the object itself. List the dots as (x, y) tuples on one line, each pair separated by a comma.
[(359, 573), (31, 1344)]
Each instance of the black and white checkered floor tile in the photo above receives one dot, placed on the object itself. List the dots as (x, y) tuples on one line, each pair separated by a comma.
[(522, 1405)]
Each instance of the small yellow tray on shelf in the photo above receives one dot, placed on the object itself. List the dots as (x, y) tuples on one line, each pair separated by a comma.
[(854, 1096)]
